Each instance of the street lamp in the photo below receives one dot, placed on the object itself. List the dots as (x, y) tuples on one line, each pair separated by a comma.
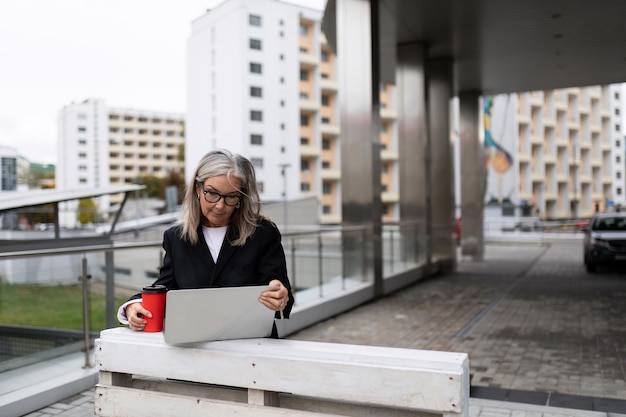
[(283, 172)]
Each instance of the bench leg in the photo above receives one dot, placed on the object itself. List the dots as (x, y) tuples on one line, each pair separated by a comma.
[(265, 398)]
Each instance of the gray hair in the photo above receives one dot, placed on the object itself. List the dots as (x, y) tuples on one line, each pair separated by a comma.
[(244, 219)]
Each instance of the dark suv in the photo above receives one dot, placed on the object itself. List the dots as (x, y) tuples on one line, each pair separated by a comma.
[(605, 240)]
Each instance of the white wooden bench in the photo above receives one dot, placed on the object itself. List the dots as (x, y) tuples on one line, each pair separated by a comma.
[(140, 375)]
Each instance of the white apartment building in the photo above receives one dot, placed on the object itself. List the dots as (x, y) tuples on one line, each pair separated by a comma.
[(556, 154), (245, 69), (99, 146)]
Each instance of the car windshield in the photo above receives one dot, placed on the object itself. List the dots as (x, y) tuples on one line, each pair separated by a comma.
[(610, 224)]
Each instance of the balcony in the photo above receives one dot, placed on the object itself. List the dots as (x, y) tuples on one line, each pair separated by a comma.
[(331, 174), (388, 114), (549, 159), (308, 60), (550, 196), (329, 85), (389, 155), (309, 105), (330, 130), (390, 197), (310, 151)]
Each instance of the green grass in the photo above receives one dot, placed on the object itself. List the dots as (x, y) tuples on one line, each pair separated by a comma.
[(58, 307)]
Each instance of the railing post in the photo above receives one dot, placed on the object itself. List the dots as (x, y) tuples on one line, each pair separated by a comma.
[(391, 253), (320, 273), (293, 267), (110, 289), (84, 278)]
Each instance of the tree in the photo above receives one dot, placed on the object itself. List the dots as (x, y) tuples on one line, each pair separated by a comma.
[(87, 211)]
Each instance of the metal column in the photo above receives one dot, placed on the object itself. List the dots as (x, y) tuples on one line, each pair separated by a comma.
[(439, 79), (472, 176), (412, 140), (360, 151)]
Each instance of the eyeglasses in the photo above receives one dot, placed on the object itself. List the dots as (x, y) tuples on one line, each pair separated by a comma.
[(213, 197)]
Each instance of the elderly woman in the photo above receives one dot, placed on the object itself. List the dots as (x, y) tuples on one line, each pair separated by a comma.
[(222, 240)]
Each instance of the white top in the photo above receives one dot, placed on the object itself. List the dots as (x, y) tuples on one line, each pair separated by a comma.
[(214, 237)]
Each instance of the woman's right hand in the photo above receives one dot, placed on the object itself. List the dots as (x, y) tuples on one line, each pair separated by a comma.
[(135, 314)]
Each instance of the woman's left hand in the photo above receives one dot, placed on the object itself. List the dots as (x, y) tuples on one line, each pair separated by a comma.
[(275, 299)]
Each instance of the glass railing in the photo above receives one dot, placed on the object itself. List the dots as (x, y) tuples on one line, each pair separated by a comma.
[(53, 300)]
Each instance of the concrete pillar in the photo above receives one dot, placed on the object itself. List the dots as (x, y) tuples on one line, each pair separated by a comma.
[(472, 176), (441, 162)]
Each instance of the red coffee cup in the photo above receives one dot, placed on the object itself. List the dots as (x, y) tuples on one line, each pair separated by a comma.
[(153, 300)]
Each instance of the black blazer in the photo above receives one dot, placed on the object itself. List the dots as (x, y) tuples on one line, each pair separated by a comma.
[(260, 260)]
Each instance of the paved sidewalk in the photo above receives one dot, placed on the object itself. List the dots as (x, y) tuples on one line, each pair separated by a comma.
[(545, 338)]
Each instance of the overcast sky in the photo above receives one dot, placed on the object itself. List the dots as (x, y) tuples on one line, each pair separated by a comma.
[(131, 53)]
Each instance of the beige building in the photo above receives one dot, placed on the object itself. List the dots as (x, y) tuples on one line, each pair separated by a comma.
[(100, 146), (322, 158), (143, 143), (565, 148)]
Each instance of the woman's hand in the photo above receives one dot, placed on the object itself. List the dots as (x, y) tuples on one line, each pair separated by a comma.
[(135, 314), (275, 299)]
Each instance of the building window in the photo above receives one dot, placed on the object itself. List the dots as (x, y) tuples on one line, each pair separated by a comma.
[(304, 96), (618, 159), (82, 142), (304, 165), (282, 103), (256, 139), (282, 126), (254, 20), (255, 44), (281, 57), (257, 162), (304, 75), (619, 190), (260, 186), (326, 209), (82, 155), (325, 57), (256, 92), (304, 50), (305, 187), (256, 68), (256, 115), (304, 30), (618, 143), (325, 165), (304, 120), (325, 120), (82, 129), (617, 127), (304, 141), (325, 100), (618, 175), (326, 188), (325, 144)]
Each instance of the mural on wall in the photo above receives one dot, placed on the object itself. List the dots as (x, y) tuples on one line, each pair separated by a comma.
[(498, 161)]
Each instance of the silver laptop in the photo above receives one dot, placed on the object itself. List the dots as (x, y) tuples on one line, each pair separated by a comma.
[(209, 314)]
